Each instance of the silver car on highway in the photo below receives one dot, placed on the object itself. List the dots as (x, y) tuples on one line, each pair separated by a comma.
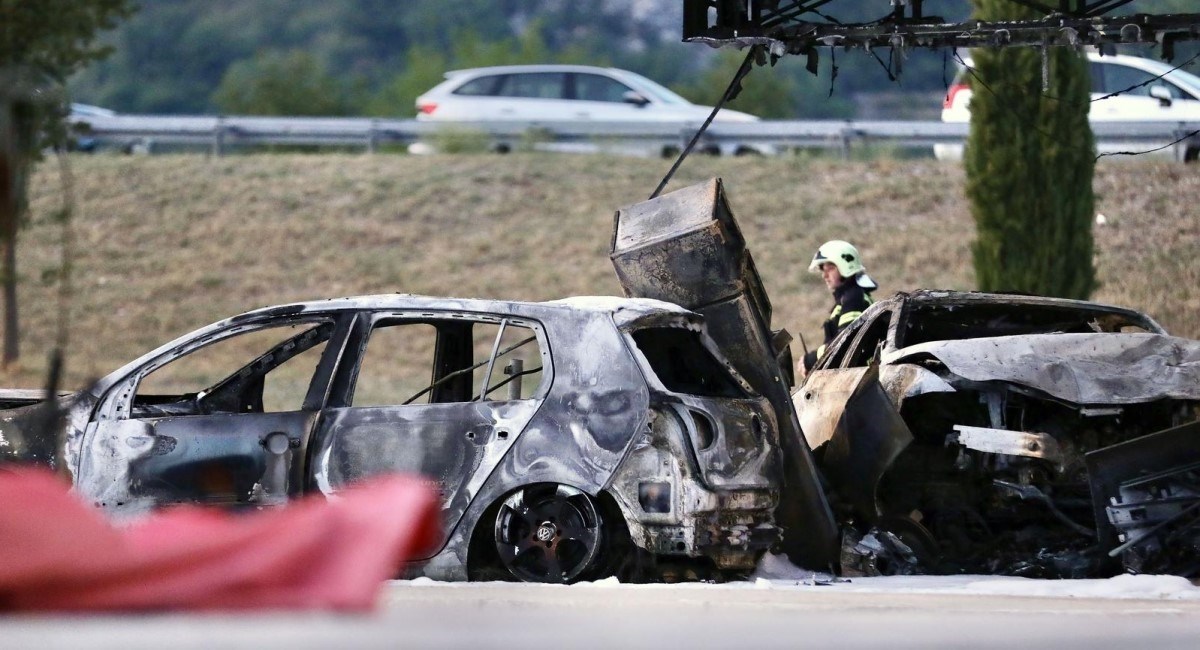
[(570, 93)]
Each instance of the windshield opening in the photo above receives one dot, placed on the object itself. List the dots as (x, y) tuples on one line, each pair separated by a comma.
[(951, 322)]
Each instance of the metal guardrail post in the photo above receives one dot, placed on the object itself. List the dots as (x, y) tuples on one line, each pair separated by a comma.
[(373, 136), (845, 135), (218, 142), (1183, 142)]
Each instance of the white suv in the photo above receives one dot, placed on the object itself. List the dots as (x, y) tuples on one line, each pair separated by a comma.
[(1175, 97), (563, 93)]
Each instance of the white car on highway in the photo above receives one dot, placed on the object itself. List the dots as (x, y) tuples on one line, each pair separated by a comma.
[(1124, 89), (571, 93)]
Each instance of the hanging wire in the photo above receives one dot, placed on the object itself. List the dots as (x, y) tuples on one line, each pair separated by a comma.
[(1138, 153), (833, 69), (1024, 118), (1150, 80), (886, 68), (734, 85)]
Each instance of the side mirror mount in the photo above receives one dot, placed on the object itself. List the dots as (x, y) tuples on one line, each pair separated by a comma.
[(635, 98), (1162, 94)]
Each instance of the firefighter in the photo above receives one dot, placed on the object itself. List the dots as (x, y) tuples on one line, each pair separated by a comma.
[(841, 266)]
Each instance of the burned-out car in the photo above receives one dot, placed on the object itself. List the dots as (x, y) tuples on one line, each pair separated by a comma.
[(971, 432), (564, 437)]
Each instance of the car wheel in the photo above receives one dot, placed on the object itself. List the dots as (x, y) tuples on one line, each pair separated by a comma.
[(549, 533)]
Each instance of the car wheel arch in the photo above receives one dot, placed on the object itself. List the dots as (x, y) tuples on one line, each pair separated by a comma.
[(482, 560)]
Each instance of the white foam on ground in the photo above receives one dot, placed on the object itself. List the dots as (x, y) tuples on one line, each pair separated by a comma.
[(779, 573), (776, 572)]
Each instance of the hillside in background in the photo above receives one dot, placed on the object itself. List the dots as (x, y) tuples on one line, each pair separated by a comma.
[(165, 244), (371, 57)]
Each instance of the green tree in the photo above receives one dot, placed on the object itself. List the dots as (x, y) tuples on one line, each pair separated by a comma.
[(282, 83), (1029, 162), (41, 43), (423, 70)]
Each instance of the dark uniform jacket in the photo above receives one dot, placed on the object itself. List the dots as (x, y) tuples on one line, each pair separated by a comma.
[(849, 301)]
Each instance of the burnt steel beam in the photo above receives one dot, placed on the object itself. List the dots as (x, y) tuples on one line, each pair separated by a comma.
[(779, 26), (685, 247), (742, 29)]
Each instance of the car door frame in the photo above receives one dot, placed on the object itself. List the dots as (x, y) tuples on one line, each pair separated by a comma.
[(606, 111), (492, 430), (535, 109), (822, 399), (845, 410), (114, 440)]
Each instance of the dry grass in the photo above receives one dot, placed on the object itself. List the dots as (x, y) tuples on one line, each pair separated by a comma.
[(165, 244)]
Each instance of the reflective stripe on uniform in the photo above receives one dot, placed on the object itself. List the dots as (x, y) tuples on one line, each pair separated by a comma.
[(821, 351), (848, 317)]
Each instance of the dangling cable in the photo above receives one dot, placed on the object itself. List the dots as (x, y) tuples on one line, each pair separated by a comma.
[(833, 68), (732, 90)]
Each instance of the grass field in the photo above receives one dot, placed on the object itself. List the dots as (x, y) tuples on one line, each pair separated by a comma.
[(165, 244)]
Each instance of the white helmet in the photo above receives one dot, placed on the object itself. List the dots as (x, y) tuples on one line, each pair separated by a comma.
[(845, 257)]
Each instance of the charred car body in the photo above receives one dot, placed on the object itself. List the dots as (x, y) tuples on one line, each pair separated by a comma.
[(968, 432), (949, 432), (562, 436)]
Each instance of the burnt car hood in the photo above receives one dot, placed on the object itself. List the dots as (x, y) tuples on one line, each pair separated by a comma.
[(1101, 368)]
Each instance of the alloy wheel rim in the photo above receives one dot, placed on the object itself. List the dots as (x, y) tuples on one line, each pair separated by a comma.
[(548, 533)]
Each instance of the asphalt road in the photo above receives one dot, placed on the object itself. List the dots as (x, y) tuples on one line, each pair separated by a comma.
[(431, 615)]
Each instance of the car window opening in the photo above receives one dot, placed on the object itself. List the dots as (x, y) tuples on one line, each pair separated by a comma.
[(870, 342), (683, 365), (215, 378), (447, 361)]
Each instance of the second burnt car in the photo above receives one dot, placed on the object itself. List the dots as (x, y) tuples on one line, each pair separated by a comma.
[(995, 433), (565, 438)]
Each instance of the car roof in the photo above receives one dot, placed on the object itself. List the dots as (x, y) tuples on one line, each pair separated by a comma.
[(605, 304), (624, 311), (547, 67)]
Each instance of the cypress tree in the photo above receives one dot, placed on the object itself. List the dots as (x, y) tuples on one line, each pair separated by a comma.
[(1029, 161)]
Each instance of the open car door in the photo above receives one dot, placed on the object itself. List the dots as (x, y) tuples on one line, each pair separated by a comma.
[(856, 432)]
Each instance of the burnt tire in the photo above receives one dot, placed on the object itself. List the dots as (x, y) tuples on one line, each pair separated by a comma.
[(550, 533)]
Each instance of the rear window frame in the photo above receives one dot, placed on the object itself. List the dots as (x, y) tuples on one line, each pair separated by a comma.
[(496, 80), (741, 389)]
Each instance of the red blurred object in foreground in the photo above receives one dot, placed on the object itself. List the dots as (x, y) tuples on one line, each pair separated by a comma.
[(58, 554)]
